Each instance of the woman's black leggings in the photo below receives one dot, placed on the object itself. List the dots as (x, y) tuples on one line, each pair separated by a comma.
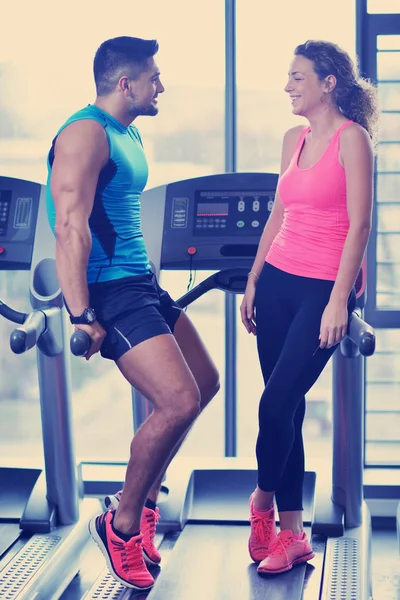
[(289, 309)]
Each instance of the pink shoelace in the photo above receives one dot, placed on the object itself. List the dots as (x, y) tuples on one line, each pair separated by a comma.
[(133, 554), (150, 523), (262, 527), (130, 552), (279, 546)]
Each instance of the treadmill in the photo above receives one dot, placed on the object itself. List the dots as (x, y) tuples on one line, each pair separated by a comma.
[(214, 223), (43, 520)]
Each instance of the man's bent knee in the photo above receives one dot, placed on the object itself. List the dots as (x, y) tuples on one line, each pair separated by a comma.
[(186, 405), (209, 390), (181, 404)]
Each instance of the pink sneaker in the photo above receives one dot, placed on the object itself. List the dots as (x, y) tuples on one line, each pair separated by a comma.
[(263, 531), (288, 550), (113, 501), (124, 559), (148, 526)]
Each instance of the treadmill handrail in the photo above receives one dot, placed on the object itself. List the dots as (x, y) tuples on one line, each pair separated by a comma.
[(12, 315), (33, 325), (222, 280), (234, 281)]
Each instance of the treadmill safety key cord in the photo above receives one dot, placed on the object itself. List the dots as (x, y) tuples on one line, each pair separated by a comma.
[(192, 274)]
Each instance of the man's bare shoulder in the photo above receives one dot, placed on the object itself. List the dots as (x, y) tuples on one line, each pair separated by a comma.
[(85, 134)]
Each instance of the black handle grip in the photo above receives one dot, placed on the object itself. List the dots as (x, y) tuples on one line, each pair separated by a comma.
[(194, 294), (367, 344), (18, 341), (80, 343)]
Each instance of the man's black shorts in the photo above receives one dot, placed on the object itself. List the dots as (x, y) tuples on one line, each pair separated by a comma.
[(132, 310)]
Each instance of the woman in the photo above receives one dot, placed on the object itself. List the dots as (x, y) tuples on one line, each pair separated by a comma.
[(301, 282)]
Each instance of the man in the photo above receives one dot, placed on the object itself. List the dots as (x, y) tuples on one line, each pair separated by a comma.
[(97, 171)]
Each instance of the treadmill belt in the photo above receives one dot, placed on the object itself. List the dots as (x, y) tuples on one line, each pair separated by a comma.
[(211, 562), (9, 533), (15, 488)]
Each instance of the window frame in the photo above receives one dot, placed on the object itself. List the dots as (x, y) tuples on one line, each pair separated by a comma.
[(368, 28)]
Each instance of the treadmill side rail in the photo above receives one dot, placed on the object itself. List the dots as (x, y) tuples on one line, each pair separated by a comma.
[(46, 564), (347, 569)]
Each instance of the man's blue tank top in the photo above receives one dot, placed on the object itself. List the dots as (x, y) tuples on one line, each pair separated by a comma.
[(118, 248)]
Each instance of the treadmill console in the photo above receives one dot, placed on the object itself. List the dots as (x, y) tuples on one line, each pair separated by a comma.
[(19, 202), (231, 213), (216, 221)]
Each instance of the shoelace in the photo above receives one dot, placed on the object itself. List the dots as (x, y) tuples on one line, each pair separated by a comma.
[(132, 554), (151, 521), (280, 545), (262, 527)]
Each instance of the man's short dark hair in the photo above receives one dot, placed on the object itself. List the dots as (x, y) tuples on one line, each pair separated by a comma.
[(121, 56)]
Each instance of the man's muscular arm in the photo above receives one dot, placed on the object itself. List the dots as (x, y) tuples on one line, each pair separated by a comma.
[(81, 151)]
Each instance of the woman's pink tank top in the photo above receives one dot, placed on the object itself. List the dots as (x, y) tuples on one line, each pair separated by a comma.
[(315, 221)]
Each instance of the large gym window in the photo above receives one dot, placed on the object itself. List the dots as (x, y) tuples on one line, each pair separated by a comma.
[(388, 175), (381, 63), (52, 69), (264, 114), (46, 75), (20, 427), (382, 431)]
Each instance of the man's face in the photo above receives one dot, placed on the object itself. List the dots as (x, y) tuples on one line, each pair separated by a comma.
[(141, 93)]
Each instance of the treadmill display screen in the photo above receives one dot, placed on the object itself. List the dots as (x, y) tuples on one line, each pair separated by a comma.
[(212, 209), (239, 213)]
